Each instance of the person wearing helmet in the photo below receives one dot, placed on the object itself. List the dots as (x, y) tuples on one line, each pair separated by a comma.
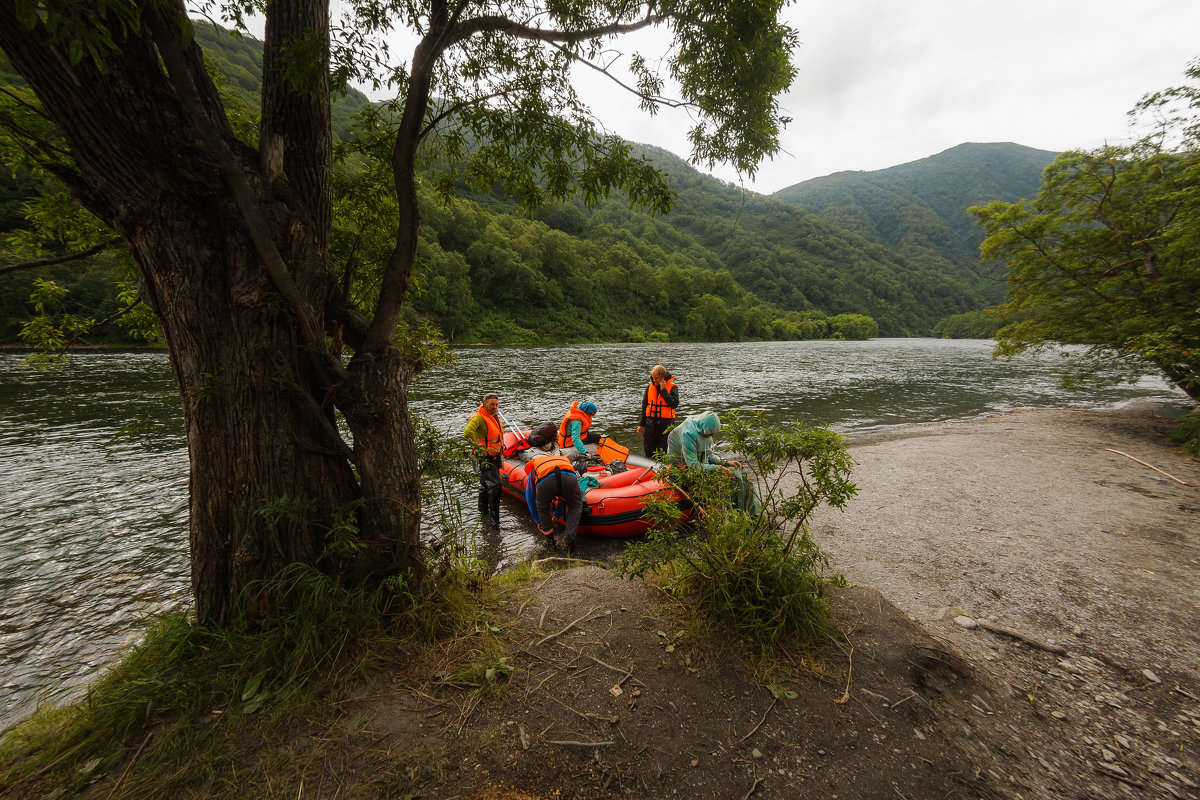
[(690, 445), (575, 426)]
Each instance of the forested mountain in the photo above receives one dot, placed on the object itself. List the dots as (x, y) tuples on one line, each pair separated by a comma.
[(786, 256), (724, 264), (920, 208)]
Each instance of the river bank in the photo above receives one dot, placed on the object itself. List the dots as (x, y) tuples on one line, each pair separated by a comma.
[(1026, 522)]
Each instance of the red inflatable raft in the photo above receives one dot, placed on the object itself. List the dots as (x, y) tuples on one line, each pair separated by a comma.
[(614, 508)]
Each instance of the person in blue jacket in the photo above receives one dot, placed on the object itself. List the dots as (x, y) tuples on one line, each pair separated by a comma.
[(690, 445), (551, 482)]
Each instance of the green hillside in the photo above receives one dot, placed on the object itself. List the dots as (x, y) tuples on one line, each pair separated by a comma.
[(786, 256), (920, 208), (723, 265)]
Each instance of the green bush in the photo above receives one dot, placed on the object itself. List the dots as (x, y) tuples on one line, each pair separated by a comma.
[(1187, 433), (758, 576)]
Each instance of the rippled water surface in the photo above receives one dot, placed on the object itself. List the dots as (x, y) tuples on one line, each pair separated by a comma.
[(93, 523)]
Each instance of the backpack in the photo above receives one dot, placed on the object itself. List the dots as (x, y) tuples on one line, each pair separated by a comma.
[(542, 435)]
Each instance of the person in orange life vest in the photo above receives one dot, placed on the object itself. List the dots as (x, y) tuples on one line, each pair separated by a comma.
[(573, 430), (486, 435), (551, 480), (659, 402)]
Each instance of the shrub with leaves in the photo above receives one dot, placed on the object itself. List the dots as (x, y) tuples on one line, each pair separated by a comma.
[(760, 576)]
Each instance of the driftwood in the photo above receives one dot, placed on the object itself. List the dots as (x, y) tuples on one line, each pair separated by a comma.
[(1151, 466), (1029, 640)]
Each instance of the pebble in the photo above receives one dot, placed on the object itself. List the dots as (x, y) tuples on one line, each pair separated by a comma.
[(756, 753), (1107, 755), (1058, 715), (1150, 676), (966, 622), (1115, 768)]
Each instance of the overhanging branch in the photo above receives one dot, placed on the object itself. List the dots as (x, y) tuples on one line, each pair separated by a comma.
[(48, 262)]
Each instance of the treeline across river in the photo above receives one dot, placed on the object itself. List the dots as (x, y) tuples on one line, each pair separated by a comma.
[(485, 276)]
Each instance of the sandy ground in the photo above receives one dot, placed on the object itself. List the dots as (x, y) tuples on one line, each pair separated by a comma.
[(1030, 520)]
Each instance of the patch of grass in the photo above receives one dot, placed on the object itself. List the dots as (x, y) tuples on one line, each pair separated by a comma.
[(191, 708)]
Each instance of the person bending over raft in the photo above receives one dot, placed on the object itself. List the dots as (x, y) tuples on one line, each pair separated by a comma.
[(574, 428), (689, 444), (552, 479)]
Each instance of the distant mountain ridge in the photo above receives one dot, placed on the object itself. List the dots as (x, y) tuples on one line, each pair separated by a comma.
[(920, 208)]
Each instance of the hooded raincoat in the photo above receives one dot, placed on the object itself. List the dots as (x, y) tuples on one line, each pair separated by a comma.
[(691, 444)]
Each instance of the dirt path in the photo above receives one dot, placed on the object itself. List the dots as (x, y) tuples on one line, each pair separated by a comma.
[(1024, 520)]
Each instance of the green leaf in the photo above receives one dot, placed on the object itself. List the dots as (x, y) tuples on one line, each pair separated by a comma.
[(253, 685), (781, 692)]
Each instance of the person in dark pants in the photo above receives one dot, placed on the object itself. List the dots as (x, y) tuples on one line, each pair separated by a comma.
[(486, 435), (551, 480), (659, 402)]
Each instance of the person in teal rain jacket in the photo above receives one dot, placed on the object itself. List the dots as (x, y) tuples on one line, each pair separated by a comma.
[(690, 444)]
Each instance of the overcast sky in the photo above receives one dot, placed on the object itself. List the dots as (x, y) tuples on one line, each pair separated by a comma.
[(884, 82)]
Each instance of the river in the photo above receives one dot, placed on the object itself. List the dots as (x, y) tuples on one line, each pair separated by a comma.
[(93, 521)]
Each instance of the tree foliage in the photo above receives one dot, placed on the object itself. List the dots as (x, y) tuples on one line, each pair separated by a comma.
[(1108, 254)]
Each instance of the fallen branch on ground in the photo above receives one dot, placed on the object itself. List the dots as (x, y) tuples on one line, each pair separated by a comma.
[(1151, 466), (1015, 634), (564, 630), (761, 721), (569, 743)]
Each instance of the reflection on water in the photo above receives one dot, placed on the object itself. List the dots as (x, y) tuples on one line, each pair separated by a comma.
[(93, 525)]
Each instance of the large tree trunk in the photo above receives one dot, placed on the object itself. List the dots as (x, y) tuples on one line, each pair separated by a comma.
[(204, 216)]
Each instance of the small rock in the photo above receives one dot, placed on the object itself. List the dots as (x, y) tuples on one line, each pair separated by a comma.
[(1067, 666), (1150, 676), (966, 622), (820, 752), (1078, 631), (1123, 741), (1058, 715), (1107, 755), (1115, 769), (756, 754), (695, 762)]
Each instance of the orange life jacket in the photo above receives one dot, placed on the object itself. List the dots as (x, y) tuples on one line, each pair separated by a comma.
[(585, 422), (545, 466), (494, 443), (656, 407)]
